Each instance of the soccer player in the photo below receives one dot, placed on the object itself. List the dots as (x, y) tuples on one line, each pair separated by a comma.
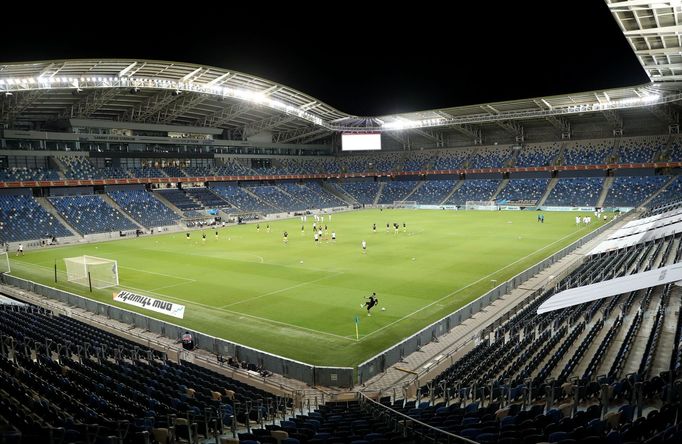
[(317, 238), (258, 228), (188, 236), (364, 247), (20, 250), (302, 229), (216, 234), (396, 227), (203, 237), (334, 236), (373, 300), (374, 228), (387, 227), (404, 228), (286, 238), (268, 228)]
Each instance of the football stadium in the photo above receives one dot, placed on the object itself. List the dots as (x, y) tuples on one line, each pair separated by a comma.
[(200, 255)]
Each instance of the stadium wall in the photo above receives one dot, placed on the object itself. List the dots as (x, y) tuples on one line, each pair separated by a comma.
[(380, 362), (312, 375)]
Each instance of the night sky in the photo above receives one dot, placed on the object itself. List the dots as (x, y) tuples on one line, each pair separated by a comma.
[(367, 63)]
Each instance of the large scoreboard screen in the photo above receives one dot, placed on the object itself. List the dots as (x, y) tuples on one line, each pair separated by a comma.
[(360, 142)]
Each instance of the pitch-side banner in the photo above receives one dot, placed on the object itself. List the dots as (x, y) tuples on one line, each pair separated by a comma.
[(153, 304)]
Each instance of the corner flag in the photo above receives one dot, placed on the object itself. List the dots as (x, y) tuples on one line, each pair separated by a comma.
[(357, 322)]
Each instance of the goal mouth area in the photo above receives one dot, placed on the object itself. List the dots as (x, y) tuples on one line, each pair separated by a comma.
[(92, 271), (484, 205), (405, 204)]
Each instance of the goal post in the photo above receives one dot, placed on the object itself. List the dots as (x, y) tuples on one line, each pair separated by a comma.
[(487, 205), (4, 263), (87, 270), (405, 204)]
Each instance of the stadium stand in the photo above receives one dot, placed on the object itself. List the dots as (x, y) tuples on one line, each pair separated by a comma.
[(632, 191), (363, 191), (419, 161), (206, 197), (603, 357), (451, 159), (396, 190), (179, 199), (276, 198), (671, 196), (537, 155), (432, 192), (523, 190), (146, 172), (490, 158), (19, 174), (481, 189), (241, 199), (577, 191), (311, 194), (81, 168), (70, 382), (23, 218), (144, 208), (90, 214), (587, 152), (640, 150)]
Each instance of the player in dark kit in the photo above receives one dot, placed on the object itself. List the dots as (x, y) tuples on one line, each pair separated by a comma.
[(373, 300)]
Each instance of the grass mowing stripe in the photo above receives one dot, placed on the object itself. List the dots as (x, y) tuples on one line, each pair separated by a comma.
[(469, 285), (238, 313), (313, 290), (282, 290)]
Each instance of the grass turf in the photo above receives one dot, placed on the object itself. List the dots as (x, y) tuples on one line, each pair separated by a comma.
[(299, 300)]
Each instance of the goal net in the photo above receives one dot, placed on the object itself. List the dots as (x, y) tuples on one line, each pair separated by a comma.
[(488, 205), (83, 270), (404, 204), (4, 263)]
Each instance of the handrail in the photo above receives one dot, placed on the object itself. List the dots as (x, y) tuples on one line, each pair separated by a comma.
[(455, 438)]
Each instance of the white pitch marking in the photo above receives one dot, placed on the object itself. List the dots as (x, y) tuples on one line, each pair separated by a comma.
[(467, 286), (211, 307), (300, 284), (159, 274), (171, 286)]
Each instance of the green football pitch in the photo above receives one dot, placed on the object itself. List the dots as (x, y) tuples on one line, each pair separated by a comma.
[(300, 299)]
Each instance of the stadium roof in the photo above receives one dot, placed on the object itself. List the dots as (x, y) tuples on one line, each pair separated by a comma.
[(176, 93), (652, 27)]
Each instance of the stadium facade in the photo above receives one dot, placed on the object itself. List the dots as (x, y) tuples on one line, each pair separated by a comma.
[(100, 146)]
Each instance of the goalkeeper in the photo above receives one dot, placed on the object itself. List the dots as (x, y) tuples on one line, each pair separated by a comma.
[(371, 302)]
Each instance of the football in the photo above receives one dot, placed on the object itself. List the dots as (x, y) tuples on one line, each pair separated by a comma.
[(383, 308)]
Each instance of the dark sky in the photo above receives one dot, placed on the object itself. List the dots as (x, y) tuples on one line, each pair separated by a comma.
[(370, 64)]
